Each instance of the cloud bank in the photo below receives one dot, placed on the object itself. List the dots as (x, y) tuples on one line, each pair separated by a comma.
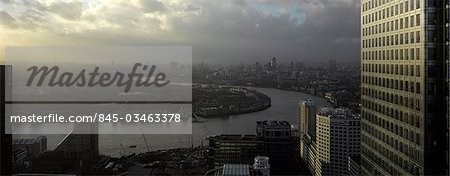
[(235, 31)]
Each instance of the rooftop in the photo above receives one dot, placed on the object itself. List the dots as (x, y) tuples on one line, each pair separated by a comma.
[(307, 102), (232, 137), (338, 113), (273, 123), (27, 140)]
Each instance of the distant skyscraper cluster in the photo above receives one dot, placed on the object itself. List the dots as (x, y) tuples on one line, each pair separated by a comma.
[(327, 149), (404, 64)]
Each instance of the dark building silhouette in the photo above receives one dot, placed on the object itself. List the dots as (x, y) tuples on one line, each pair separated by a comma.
[(233, 149), (274, 64), (80, 147), (258, 70), (299, 66), (278, 142), (274, 139), (5, 139)]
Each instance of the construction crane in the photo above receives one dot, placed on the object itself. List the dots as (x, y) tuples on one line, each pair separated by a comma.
[(123, 149), (145, 140)]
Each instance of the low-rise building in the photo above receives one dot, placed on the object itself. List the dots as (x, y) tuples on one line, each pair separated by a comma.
[(233, 149), (33, 146), (260, 167)]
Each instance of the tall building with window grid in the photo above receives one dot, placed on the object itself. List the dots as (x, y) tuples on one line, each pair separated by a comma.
[(404, 51), (338, 137)]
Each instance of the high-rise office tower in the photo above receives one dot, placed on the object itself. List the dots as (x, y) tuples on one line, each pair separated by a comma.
[(299, 66), (291, 68), (307, 127), (258, 70), (279, 142), (274, 64), (307, 115), (403, 56), (338, 138), (332, 65)]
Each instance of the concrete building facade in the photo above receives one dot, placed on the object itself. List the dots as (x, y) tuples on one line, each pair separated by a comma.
[(404, 50), (337, 138)]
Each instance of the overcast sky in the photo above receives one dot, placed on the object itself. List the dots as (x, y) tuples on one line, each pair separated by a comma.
[(220, 31)]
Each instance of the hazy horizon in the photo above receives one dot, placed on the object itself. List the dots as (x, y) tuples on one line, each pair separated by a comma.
[(236, 31)]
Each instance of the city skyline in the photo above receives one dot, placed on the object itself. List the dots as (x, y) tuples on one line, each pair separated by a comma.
[(262, 87)]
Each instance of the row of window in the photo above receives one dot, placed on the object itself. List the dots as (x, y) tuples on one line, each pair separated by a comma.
[(393, 69), (394, 25), (397, 54), (389, 11), (340, 139), (343, 133), (400, 100), (394, 84), (397, 39)]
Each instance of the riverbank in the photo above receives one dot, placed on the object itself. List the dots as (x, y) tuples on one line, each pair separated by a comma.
[(210, 100)]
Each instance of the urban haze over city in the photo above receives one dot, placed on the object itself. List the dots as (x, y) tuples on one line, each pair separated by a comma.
[(263, 87)]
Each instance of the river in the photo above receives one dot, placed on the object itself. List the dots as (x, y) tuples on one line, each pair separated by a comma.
[(284, 107)]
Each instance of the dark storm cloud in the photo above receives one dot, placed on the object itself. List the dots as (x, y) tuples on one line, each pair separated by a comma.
[(237, 32), (331, 29)]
